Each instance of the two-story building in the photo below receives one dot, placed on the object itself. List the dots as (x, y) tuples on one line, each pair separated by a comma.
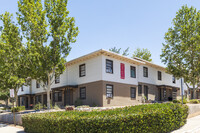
[(104, 78)]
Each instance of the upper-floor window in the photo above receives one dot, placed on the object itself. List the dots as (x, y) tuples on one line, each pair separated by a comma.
[(83, 93), (139, 90), (22, 88), (109, 91), (57, 79), (145, 71), (82, 70), (159, 75), (133, 72), (37, 84), (109, 66), (133, 92), (173, 79)]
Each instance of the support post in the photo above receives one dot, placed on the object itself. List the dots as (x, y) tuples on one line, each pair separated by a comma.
[(182, 89)]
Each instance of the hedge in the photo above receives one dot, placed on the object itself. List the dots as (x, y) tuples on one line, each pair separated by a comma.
[(18, 109), (194, 101), (149, 118)]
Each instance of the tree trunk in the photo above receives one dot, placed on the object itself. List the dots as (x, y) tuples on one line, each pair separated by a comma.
[(48, 94), (16, 97), (194, 92), (6, 102)]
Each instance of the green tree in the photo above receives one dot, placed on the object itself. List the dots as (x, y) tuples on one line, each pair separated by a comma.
[(181, 50), (118, 51), (144, 54), (49, 31), (4, 95), (12, 61)]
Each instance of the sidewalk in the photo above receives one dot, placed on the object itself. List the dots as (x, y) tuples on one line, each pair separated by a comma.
[(192, 126), (10, 129)]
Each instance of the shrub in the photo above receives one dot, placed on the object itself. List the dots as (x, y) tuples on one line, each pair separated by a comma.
[(56, 107), (180, 101), (69, 108), (18, 109), (161, 118), (84, 106), (184, 101), (94, 105), (39, 106), (194, 101), (78, 102), (176, 101)]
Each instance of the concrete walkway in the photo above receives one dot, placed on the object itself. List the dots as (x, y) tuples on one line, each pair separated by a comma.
[(192, 126), (10, 129)]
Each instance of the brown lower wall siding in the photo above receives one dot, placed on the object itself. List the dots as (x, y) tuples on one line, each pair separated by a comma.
[(96, 94), (152, 91), (121, 95)]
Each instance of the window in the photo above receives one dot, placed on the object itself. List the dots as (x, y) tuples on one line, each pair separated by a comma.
[(133, 92), (82, 71), (22, 88), (83, 93), (173, 79), (38, 99), (145, 71), (159, 75), (146, 89), (57, 79), (139, 90), (37, 85), (109, 66), (133, 72), (57, 96), (109, 91)]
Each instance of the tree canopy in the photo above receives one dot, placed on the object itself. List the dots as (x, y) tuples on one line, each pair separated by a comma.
[(181, 50), (12, 58), (49, 31), (144, 54), (118, 51)]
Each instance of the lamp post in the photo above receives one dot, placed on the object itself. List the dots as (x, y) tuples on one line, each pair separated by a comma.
[(182, 89)]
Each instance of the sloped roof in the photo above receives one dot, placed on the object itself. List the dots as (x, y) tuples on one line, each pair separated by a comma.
[(106, 53)]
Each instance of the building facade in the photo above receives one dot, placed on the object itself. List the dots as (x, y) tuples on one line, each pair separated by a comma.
[(104, 78)]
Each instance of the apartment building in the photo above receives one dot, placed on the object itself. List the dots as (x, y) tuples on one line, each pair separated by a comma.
[(104, 78)]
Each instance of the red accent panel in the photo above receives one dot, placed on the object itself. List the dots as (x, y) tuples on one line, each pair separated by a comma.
[(122, 71)]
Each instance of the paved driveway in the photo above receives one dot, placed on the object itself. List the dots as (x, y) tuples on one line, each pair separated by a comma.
[(192, 126), (10, 129)]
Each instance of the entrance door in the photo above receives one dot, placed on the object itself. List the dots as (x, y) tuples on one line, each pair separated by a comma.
[(45, 99), (146, 91), (26, 105), (68, 95), (160, 94)]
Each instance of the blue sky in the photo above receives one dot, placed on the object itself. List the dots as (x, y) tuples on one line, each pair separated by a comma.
[(122, 23)]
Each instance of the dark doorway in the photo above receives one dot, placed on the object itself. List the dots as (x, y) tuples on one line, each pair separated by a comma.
[(160, 94), (68, 97), (26, 105), (146, 91), (45, 99)]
